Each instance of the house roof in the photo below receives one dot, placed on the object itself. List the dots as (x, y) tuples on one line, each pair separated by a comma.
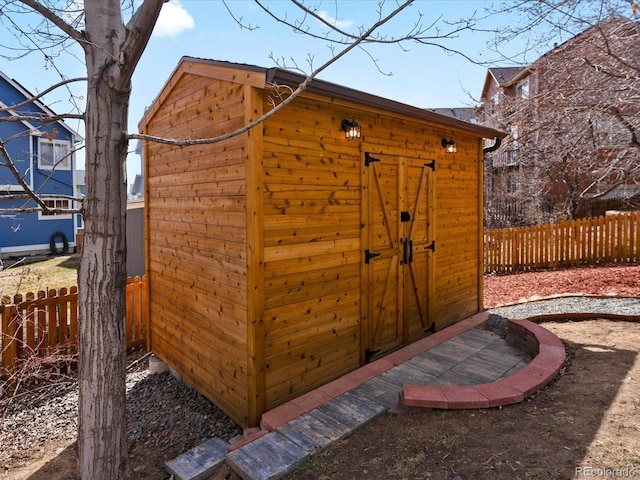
[(503, 76), (506, 75), (291, 79), (27, 94), (466, 114)]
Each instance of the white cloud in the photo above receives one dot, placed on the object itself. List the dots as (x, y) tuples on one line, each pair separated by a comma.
[(341, 24), (174, 19)]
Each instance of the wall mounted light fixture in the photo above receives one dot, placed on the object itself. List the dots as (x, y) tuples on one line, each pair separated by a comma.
[(449, 146), (351, 129)]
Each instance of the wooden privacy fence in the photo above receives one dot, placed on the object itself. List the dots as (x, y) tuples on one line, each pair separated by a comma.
[(588, 241), (46, 323)]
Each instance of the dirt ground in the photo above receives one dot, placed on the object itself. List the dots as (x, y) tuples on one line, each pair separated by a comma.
[(585, 424)]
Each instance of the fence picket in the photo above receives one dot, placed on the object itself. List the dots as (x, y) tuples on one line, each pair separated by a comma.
[(73, 319)]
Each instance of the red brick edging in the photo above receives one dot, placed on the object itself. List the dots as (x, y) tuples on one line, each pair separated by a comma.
[(549, 357)]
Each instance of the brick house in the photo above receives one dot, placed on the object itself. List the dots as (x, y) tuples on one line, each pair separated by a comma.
[(572, 116)]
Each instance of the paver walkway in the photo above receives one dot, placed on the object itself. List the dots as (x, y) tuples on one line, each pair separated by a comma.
[(459, 355), (474, 357)]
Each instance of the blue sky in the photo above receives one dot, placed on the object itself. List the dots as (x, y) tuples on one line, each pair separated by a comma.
[(421, 75)]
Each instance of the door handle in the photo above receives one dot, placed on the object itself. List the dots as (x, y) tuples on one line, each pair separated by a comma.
[(404, 251), (407, 251)]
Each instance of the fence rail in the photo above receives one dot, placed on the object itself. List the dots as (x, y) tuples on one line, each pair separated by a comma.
[(589, 241), (43, 324)]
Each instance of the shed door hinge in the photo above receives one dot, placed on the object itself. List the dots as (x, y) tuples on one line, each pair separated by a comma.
[(369, 159), (369, 354), (431, 246), (431, 165), (368, 256)]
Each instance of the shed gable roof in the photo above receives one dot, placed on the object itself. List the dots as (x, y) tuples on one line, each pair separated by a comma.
[(261, 77)]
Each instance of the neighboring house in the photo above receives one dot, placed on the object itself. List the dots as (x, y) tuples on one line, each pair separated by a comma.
[(135, 220), (135, 239), (42, 155), (466, 114), (573, 118), (136, 188), (341, 228)]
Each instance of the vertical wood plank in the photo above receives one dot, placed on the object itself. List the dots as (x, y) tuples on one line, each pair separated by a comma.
[(73, 319), (9, 339), (253, 104), (51, 309), (130, 313), (63, 322)]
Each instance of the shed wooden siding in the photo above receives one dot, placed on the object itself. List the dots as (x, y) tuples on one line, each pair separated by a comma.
[(459, 233), (198, 241), (259, 290), (312, 224)]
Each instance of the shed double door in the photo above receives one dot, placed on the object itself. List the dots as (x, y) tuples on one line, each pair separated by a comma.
[(398, 233)]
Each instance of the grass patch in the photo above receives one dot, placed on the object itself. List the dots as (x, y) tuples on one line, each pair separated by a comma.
[(55, 272)]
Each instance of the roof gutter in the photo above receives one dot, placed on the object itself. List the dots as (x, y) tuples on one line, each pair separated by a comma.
[(493, 147)]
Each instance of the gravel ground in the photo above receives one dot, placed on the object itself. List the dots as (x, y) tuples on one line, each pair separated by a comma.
[(616, 306), (164, 417)]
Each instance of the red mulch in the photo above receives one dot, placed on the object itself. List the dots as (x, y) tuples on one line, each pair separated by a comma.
[(621, 280)]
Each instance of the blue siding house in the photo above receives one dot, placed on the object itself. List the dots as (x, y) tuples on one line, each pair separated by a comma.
[(43, 156)]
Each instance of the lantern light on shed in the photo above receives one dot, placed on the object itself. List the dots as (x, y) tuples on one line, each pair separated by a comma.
[(449, 146), (351, 129)]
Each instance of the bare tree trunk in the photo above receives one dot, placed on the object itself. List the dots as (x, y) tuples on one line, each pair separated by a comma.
[(112, 51), (102, 436)]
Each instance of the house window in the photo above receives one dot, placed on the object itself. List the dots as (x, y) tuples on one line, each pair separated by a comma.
[(523, 88), (609, 133), (512, 183), (514, 131), (495, 101), (55, 203), (512, 158), (54, 154)]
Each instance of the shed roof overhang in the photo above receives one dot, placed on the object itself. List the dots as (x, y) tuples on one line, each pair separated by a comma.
[(278, 76), (285, 77)]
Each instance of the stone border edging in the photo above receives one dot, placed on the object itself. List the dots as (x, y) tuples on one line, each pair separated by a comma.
[(512, 389)]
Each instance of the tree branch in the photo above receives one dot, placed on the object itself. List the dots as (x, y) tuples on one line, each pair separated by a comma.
[(55, 19), (139, 29), (44, 118), (289, 99)]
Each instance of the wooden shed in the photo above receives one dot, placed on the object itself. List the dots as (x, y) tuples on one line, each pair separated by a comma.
[(287, 256)]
